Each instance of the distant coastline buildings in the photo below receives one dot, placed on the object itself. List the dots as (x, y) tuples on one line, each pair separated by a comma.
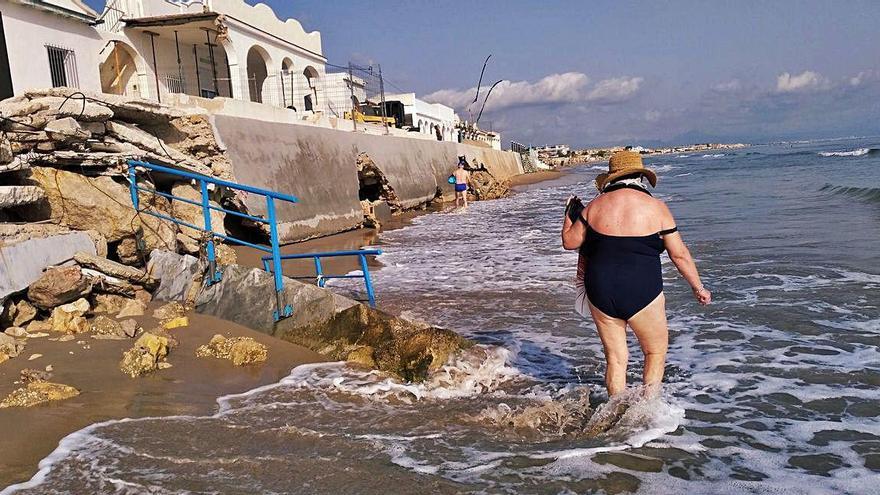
[(188, 53)]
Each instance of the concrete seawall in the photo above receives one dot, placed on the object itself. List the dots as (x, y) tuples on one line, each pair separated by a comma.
[(319, 166)]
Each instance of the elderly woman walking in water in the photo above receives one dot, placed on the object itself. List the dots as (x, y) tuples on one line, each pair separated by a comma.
[(620, 235)]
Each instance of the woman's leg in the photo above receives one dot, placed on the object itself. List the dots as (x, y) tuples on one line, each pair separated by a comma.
[(650, 328), (612, 332)]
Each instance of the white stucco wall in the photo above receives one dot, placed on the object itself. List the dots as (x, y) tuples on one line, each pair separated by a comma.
[(28, 31)]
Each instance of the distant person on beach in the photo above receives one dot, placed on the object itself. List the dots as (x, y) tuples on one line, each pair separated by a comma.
[(620, 235), (461, 176)]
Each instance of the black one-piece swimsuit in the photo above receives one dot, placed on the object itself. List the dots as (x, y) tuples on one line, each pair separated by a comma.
[(623, 272)]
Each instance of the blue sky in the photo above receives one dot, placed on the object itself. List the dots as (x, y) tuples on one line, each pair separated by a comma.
[(608, 72)]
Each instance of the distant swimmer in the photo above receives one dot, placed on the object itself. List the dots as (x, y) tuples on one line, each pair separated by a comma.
[(620, 235), (461, 176)]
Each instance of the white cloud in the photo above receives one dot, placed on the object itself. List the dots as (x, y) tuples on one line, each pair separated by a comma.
[(615, 90), (863, 77), (805, 81), (569, 87)]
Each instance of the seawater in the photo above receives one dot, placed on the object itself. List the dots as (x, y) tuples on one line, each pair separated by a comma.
[(771, 389)]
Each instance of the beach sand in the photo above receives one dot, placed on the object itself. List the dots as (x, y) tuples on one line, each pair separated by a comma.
[(534, 178), (190, 386)]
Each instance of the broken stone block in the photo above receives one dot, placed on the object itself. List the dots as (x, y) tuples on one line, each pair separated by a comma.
[(225, 255), (169, 311), (174, 272), (33, 249), (66, 128), (69, 318), (108, 303), (38, 328), (12, 196), (10, 346), (16, 332), (6, 155), (130, 328), (133, 307), (58, 286), (38, 393), (177, 322), (24, 313), (145, 356), (239, 350)]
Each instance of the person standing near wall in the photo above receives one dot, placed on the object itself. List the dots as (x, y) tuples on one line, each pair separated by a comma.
[(462, 176)]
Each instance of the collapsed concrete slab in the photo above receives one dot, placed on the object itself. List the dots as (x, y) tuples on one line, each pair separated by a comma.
[(11, 196), (21, 264)]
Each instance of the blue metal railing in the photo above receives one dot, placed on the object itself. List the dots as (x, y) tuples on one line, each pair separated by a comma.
[(320, 277), (281, 310)]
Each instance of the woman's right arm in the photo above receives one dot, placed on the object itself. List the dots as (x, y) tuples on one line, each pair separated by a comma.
[(684, 262)]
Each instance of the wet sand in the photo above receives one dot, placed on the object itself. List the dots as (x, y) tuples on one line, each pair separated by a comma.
[(534, 178), (190, 386)]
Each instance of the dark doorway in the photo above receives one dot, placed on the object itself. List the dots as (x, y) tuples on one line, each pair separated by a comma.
[(5, 73)]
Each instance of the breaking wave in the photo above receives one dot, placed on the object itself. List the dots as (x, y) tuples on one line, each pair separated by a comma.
[(855, 152), (871, 194)]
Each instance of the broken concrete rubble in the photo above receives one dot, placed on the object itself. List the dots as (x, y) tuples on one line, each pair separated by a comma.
[(70, 318), (38, 392), (146, 355), (114, 269), (239, 350)]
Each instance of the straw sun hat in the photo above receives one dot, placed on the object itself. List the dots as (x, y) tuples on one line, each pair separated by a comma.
[(625, 163)]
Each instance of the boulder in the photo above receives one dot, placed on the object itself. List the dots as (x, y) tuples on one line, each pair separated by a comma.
[(33, 249), (10, 346), (130, 328), (133, 307), (58, 286), (169, 311), (175, 274), (114, 269), (177, 322), (193, 214), (70, 318), (24, 313), (145, 356), (38, 392), (108, 303), (16, 332), (38, 328), (239, 350), (104, 205)]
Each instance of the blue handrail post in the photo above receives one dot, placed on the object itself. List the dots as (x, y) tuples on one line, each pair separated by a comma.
[(213, 274), (132, 176), (367, 282), (281, 310), (319, 272)]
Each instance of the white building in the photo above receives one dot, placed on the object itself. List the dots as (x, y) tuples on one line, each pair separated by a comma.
[(553, 149), (432, 119), (47, 43), (208, 48), (472, 134)]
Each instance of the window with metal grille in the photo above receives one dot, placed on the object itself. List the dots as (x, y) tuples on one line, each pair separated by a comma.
[(62, 66)]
